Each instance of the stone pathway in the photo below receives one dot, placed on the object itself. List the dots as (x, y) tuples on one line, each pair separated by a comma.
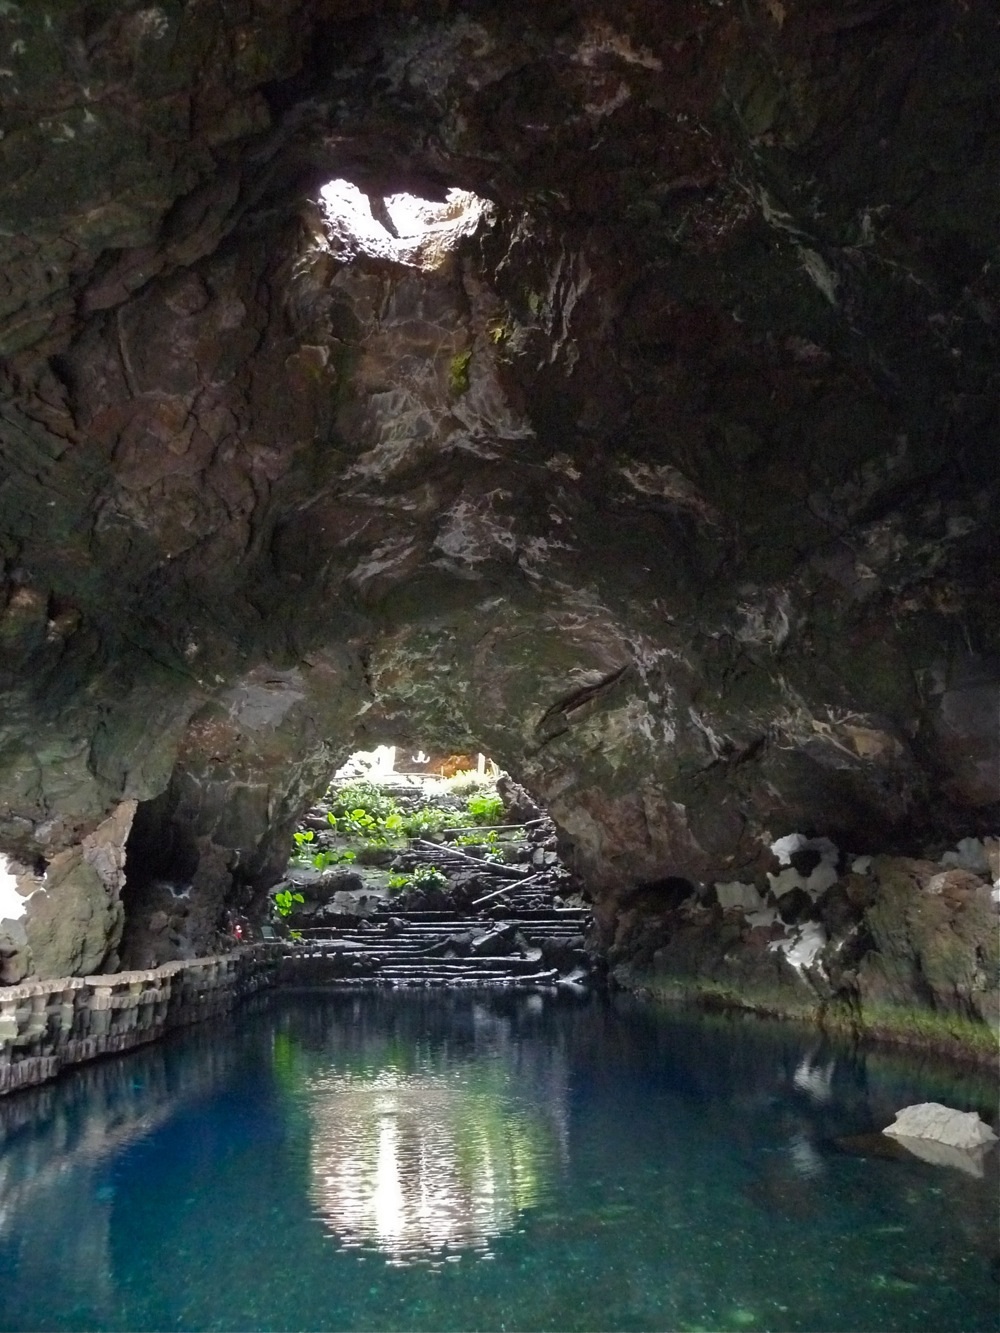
[(493, 922), (539, 947)]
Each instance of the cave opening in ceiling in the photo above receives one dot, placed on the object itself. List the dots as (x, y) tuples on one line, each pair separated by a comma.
[(401, 227)]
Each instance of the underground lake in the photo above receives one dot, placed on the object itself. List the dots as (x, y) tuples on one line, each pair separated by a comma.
[(491, 1160)]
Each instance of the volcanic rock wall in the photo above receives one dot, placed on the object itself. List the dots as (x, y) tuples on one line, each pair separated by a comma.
[(670, 486)]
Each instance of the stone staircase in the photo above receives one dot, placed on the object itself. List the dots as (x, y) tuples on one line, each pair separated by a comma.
[(535, 947)]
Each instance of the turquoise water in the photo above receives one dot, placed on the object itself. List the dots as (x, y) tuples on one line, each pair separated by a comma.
[(488, 1161)]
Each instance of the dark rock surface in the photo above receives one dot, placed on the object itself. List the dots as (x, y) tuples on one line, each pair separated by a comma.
[(901, 949), (670, 487)]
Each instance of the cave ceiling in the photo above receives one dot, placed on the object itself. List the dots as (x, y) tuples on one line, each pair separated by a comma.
[(673, 485)]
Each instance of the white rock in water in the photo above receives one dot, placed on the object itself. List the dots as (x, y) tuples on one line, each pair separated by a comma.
[(941, 1124)]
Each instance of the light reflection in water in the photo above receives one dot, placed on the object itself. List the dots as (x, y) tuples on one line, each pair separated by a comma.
[(419, 1164)]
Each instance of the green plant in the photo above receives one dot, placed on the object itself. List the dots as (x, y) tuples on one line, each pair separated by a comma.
[(361, 811), (458, 372), (488, 839), (485, 809), (363, 796), (322, 860), (359, 822), (285, 900), (429, 877), (429, 819), (424, 877)]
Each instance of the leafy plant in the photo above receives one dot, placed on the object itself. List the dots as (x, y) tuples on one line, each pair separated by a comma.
[(423, 877), (485, 809), (360, 821), (458, 372), (488, 838), (285, 900), (361, 811), (363, 796), (429, 876), (429, 819), (322, 860)]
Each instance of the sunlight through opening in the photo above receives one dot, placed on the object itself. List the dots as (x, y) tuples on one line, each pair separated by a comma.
[(401, 227)]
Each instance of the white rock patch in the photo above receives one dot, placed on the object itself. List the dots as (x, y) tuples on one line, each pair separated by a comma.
[(12, 904), (767, 916), (941, 1124), (802, 945), (738, 894), (942, 1136), (822, 877)]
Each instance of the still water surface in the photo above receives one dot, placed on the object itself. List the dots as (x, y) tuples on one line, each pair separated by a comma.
[(488, 1162)]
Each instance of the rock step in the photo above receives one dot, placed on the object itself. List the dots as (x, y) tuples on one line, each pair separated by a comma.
[(549, 978), (460, 967), (393, 944), (385, 959), (428, 939), (415, 976), (453, 925), (422, 948), (521, 937), (493, 967), (532, 914), (439, 932)]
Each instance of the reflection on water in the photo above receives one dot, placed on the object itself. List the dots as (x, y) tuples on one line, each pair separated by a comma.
[(418, 1163), (58, 1144), (420, 1148)]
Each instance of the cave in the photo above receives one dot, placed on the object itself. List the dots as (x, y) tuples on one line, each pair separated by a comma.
[(608, 389), (651, 448)]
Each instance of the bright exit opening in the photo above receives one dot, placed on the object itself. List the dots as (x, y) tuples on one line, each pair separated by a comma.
[(401, 227)]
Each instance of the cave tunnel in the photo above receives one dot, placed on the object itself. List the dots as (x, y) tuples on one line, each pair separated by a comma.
[(548, 382), (609, 389)]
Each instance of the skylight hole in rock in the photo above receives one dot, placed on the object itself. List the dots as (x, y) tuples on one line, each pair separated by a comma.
[(400, 227)]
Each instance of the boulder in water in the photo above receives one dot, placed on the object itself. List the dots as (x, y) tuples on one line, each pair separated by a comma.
[(941, 1124), (942, 1136)]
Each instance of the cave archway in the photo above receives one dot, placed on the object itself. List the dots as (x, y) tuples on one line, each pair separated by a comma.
[(638, 489)]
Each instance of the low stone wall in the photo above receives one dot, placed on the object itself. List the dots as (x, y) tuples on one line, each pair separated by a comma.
[(45, 1025)]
